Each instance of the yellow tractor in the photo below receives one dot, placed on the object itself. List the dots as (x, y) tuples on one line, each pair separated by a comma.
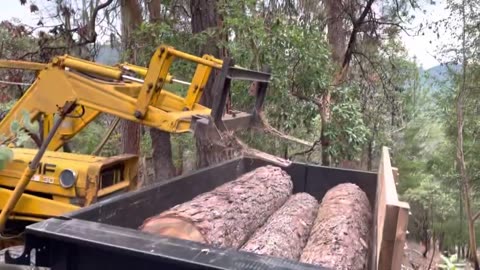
[(69, 93)]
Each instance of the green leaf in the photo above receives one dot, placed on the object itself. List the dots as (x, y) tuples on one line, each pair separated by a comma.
[(26, 120), (3, 164), (8, 152), (22, 138), (14, 126), (6, 155)]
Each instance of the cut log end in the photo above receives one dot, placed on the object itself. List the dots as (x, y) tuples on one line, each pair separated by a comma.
[(173, 227)]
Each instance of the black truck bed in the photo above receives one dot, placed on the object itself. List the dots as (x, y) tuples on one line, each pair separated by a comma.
[(105, 235)]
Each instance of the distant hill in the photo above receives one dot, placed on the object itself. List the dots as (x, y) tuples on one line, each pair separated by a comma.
[(442, 71), (438, 76)]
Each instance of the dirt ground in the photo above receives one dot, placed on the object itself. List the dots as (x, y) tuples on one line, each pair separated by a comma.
[(413, 259)]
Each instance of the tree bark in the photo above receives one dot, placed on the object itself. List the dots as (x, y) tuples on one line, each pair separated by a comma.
[(205, 16), (161, 141), (465, 180), (131, 12), (286, 232), (339, 236), (162, 155), (154, 9), (337, 38), (180, 153), (130, 137), (337, 34), (229, 214)]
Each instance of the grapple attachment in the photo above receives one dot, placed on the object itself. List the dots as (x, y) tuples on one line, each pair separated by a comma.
[(221, 120)]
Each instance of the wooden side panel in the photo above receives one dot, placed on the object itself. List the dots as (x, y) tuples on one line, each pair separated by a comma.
[(400, 236), (391, 218), (379, 218)]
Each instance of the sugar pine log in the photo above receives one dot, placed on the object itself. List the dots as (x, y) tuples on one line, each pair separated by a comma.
[(285, 233), (229, 214), (339, 235)]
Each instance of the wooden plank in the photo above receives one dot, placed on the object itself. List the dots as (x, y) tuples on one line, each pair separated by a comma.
[(387, 244), (391, 218), (380, 209), (400, 236)]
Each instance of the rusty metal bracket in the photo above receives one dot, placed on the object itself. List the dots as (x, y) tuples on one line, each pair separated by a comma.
[(218, 120), (237, 73), (221, 88)]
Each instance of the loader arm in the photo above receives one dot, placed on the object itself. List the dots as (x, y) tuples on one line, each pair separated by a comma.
[(76, 91), (96, 88)]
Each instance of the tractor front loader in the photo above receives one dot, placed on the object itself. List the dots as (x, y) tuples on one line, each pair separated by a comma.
[(69, 93)]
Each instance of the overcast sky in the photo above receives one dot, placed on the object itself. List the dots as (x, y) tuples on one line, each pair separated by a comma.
[(417, 45)]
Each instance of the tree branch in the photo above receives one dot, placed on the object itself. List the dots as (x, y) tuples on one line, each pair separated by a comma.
[(300, 96), (309, 150), (476, 216), (305, 98), (353, 36), (91, 23)]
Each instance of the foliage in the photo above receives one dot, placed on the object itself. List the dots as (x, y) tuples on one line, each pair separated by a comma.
[(427, 152), (449, 264), (348, 129), (16, 42), (18, 136), (384, 101)]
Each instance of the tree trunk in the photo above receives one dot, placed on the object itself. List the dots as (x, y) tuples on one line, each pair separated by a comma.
[(465, 181), (229, 214), (337, 34), (286, 232), (131, 12), (205, 16), (162, 155), (371, 149), (337, 38), (130, 137), (441, 246), (180, 154), (342, 52), (154, 9), (161, 141), (339, 236)]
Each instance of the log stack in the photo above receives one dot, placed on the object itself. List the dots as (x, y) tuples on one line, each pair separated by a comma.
[(257, 213), (229, 214)]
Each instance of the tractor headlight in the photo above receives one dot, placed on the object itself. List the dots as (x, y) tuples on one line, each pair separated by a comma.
[(67, 178)]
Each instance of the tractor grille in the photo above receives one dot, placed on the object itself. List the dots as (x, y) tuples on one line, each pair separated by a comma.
[(111, 176)]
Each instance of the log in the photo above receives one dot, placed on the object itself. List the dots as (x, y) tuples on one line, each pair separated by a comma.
[(285, 233), (228, 215), (340, 234)]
